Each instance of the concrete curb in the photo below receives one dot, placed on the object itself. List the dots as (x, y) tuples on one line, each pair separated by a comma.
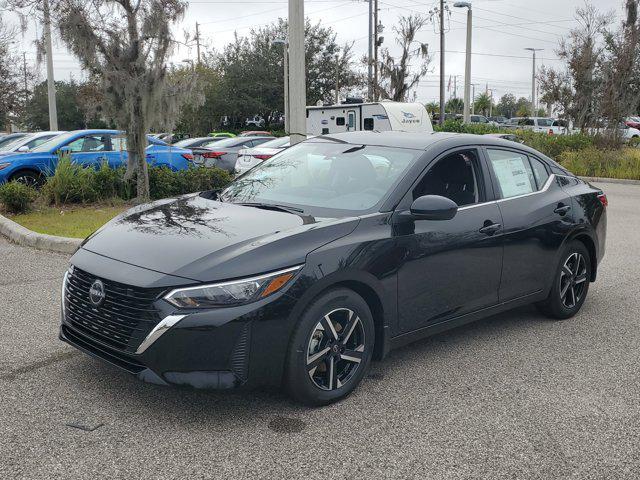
[(624, 181), (25, 237)]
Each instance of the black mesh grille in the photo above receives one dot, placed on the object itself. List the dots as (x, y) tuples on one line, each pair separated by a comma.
[(124, 318)]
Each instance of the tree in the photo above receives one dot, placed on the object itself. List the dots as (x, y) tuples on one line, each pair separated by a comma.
[(454, 105), (483, 103), (507, 105), (432, 107), (523, 107), (125, 45), (397, 78), (69, 101), (10, 87), (247, 77)]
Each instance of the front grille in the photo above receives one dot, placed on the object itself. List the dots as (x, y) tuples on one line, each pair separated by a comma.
[(122, 321)]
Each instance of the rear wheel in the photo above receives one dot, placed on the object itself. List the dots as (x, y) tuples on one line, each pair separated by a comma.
[(30, 178), (330, 349), (571, 283)]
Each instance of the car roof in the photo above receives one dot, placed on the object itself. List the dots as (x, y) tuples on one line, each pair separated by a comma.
[(425, 141)]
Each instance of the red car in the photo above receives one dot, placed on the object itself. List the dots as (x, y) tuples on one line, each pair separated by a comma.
[(633, 122)]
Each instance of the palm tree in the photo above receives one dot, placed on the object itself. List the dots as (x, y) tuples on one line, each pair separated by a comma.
[(483, 103), (432, 107), (454, 105)]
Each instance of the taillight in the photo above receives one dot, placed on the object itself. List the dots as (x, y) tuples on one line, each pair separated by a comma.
[(550, 131), (188, 156), (603, 199), (213, 154), (262, 157)]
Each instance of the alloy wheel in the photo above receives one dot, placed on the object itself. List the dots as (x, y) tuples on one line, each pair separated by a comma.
[(335, 349), (27, 179), (573, 277)]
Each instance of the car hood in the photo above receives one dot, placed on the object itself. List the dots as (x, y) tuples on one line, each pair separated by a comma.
[(204, 240)]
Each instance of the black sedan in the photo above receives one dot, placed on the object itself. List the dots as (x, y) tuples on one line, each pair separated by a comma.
[(330, 254)]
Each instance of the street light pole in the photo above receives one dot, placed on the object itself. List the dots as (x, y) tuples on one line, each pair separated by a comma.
[(285, 61), (370, 69), (297, 81), (533, 80), (467, 66), (51, 86), (442, 62)]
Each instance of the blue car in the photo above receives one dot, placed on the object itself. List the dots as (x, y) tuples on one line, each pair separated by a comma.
[(89, 148)]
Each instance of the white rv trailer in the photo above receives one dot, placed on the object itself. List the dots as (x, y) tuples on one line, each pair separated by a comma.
[(380, 116)]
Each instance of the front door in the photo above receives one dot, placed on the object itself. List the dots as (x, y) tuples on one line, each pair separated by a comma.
[(90, 150), (451, 267), (536, 214)]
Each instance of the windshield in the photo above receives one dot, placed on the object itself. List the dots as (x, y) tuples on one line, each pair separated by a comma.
[(276, 143), (54, 142), (327, 178)]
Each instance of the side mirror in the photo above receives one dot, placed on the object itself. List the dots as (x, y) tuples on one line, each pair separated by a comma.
[(433, 207), (23, 149)]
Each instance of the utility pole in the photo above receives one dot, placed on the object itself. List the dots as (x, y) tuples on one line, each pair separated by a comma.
[(533, 80), (370, 68), (51, 86), (198, 41), (442, 62), (467, 65), (297, 81), (337, 80), (375, 50), (473, 98), (24, 69)]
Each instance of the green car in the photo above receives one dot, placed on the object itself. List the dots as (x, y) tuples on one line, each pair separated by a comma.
[(222, 134)]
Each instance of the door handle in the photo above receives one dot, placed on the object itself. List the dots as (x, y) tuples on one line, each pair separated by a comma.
[(490, 229), (562, 209)]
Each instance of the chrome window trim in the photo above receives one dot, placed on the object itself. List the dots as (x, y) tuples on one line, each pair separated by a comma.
[(500, 200), (165, 324)]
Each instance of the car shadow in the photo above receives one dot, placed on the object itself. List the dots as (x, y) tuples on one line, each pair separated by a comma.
[(225, 408)]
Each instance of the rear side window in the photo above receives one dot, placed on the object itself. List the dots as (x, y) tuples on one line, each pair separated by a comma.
[(513, 173), (539, 172), (367, 124), (340, 121)]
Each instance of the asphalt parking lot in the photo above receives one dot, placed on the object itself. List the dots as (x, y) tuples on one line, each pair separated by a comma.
[(514, 396)]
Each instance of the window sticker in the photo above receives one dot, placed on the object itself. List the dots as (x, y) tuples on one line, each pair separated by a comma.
[(512, 175)]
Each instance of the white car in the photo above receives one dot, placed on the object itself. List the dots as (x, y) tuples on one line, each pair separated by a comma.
[(250, 157), (537, 124), (28, 142), (629, 133)]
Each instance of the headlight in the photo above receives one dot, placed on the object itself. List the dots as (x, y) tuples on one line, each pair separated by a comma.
[(4, 165), (232, 293)]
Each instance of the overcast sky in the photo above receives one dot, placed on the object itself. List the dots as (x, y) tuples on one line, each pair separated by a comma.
[(502, 29)]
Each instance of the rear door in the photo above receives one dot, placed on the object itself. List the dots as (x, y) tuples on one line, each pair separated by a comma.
[(536, 214)]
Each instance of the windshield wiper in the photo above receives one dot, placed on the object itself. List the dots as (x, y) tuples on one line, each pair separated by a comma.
[(274, 206)]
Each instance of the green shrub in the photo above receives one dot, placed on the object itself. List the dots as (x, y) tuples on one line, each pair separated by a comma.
[(17, 197), (553, 145), (163, 182), (456, 126), (594, 162), (70, 183)]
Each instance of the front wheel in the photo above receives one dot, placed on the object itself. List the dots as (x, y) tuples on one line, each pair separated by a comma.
[(571, 283), (29, 178), (330, 349)]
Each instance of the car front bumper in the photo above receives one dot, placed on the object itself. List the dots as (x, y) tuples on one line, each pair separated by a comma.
[(212, 349)]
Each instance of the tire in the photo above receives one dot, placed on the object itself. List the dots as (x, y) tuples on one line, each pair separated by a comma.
[(28, 177), (570, 284), (315, 348)]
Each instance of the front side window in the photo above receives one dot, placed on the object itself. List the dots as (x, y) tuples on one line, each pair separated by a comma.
[(455, 177), (513, 173), (90, 143), (339, 177)]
